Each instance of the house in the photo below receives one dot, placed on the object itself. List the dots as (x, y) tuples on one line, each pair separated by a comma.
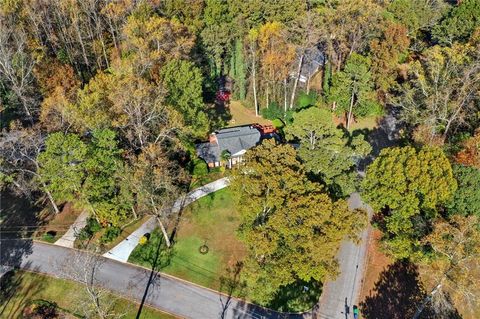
[(313, 60), (228, 145)]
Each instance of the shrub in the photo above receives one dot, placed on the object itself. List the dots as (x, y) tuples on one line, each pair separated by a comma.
[(110, 234), (306, 100), (143, 240), (49, 236), (41, 309), (272, 112), (200, 168), (91, 228)]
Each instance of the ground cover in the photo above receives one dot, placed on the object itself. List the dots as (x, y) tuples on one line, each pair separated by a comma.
[(19, 290)]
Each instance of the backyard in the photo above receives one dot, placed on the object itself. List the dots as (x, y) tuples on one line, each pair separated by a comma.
[(20, 289)]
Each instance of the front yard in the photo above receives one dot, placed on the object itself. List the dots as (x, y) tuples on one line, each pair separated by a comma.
[(22, 288), (211, 221)]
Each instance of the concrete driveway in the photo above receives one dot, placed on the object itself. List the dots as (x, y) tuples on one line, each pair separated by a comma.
[(122, 251)]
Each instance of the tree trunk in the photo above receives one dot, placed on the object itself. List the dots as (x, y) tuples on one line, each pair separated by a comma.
[(50, 197), (254, 75), (164, 232), (267, 98), (295, 83), (349, 116), (285, 94)]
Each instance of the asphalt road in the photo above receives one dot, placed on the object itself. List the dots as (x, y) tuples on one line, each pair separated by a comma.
[(166, 293), (339, 296)]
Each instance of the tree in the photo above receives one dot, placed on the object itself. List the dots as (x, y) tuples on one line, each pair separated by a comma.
[(217, 34), (100, 191), (470, 154), (292, 229), (418, 16), (183, 81), (466, 200), (60, 166), (459, 23), (352, 89), (140, 113), (84, 267), (387, 52), (406, 187), (276, 54), (454, 269), (326, 150), (155, 182), (19, 162), (347, 27), (16, 67), (442, 89), (152, 41)]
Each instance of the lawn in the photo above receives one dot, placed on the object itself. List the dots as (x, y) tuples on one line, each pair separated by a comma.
[(27, 286), (210, 221), (242, 115)]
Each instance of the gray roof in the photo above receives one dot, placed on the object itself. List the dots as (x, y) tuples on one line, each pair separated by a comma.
[(232, 139), (313, 60)]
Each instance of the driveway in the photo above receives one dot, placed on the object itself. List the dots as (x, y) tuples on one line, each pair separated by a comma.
[(339, 296), (69, 237), (167, 293), (122, 251)]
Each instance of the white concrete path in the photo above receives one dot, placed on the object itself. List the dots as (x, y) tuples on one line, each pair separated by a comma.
[(69, 237), (122, 251)]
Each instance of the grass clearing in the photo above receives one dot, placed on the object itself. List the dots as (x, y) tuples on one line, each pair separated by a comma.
[(27, 286), (242, 115)]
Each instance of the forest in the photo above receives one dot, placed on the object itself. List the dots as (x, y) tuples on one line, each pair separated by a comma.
[(102, 102)]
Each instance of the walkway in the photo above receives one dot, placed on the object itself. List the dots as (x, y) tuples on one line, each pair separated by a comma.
[(166, 293), (69, 237), (122, 251)]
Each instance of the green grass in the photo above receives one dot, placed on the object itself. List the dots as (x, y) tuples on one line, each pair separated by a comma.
[(212, 220), (25, 287)]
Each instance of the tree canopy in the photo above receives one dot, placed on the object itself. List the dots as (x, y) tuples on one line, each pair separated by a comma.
[(291, 227)]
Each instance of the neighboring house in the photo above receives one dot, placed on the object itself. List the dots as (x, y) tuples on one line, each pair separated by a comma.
[(313, 60), (228, 145)]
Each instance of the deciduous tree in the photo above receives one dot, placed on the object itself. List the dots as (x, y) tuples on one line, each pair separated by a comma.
[(326, 150), (454, 269), (406, 187), (291, 227)]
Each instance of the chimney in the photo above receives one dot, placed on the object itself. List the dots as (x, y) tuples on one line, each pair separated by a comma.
[(212, 138)]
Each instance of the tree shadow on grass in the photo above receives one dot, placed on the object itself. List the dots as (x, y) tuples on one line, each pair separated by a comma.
[(398, 294), (299, 296), (16, 293)]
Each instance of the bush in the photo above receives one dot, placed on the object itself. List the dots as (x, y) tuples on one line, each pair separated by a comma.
[(110, 234), (41, 309), (200, 168), (305, 100), (143, 240), (92, 227), (272, 112), (49, 236)]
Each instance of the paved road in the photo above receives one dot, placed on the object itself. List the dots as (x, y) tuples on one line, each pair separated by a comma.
[(122, 251), (339, 296), (167, 293), (68, 238)]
